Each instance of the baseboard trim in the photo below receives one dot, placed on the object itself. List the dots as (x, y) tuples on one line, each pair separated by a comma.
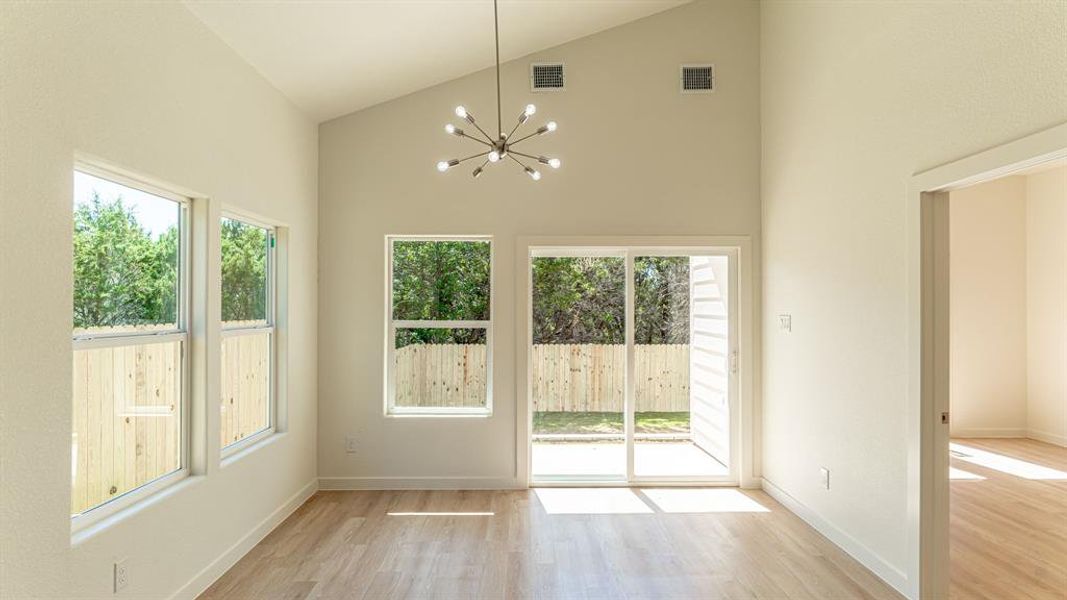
[(989, 432), (1044, 436), (419, 483), (202, 580), (866, 557)]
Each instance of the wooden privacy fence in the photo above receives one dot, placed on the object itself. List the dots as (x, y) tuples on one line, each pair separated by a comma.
[(451, 375), (127, 409), (564, 377), (245, 386), (592, 377)]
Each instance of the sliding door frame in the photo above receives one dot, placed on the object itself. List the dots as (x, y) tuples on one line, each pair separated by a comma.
[(738, 249)]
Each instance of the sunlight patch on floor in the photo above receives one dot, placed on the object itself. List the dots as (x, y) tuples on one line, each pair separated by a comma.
[(1005, 464), (955, 474), (702, 501), (591, 501)]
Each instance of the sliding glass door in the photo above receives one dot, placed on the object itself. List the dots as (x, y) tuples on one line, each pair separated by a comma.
[(632, 365)]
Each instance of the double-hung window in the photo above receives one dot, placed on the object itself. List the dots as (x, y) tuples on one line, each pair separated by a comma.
[(439, 329), (248, 309), (130, 341)]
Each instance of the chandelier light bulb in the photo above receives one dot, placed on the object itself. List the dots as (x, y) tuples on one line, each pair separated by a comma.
[(551, 125), (450, 128), (461, 112), (445, 165), (530, 110), (554, 163), (535, 175), (477, 172), (494, 156)]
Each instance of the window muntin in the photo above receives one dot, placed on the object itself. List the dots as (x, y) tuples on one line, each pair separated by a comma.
[(247, 355), (439, 343), (130, 336)]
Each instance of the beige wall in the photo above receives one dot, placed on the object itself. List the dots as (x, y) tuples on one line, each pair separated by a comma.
[(987, 291), (1047, 305), (147, 87), (857, 97), (638, 158)]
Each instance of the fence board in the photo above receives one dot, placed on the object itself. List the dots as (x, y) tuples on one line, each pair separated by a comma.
[(564, 377)]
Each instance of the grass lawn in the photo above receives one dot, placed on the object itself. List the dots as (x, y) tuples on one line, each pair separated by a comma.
[(601, 422)]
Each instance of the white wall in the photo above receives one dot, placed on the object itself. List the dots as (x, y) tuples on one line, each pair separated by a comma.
[(988, 298), (1046, 272), (147, 87), (857, 97), (638, 158)]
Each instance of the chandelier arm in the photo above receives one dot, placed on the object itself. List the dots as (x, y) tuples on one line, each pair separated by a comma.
[(529, 156), (473, 156), (476, 126), (517, 125), (496, 29), (525, 137), (474, 139), (521, 164)]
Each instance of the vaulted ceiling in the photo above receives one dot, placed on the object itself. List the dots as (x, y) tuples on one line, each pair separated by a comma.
[(335, 57)]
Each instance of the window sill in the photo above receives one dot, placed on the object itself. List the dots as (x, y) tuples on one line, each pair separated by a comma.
[(249, 445), (88, 525)]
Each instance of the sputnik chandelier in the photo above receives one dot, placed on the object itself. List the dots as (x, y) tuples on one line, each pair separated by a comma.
[(502, 147)]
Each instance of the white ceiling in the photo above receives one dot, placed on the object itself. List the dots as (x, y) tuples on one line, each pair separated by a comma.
[(335, 57)]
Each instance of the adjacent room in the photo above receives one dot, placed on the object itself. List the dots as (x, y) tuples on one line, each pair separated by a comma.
[(1008, 410), (484, 299)]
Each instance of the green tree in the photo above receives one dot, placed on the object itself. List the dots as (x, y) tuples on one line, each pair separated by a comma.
[(661, 300), (244, 271), (579, 300), (122, 277), (441, 280)]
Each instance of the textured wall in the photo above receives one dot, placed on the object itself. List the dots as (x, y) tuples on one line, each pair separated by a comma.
[(147, 87), (857, 97), (638, 158)]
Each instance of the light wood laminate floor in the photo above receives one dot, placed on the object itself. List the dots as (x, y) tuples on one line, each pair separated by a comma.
[(1008, 520), (547, 543)]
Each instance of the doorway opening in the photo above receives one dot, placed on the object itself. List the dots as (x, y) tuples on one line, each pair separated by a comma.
[(632, 365), (955, 464), (1007, 331)]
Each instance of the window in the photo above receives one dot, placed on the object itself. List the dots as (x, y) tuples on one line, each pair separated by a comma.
[(130, 335), (247, 399), (439, 340)]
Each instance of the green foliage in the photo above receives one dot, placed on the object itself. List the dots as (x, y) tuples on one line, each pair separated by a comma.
[(579, 300), (661, 300), (244, 271), (441, 281), (582, 300), (122, 277)]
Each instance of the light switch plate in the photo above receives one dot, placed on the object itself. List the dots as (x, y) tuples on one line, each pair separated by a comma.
[(825, 474), (785, 322)]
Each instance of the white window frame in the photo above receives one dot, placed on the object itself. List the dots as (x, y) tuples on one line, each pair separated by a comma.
[(391, 325), (267, 327), (180, 333)]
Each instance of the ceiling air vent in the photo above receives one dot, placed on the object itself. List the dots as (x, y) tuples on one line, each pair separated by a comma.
[(547, 77), (697, 79)]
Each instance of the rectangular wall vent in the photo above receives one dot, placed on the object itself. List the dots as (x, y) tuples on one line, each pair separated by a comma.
[(697, 79), (547, 77)]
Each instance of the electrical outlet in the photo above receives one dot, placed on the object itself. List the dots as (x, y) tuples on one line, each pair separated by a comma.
[(122, 575), (785, 322), (351, 444), (824, 473)]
